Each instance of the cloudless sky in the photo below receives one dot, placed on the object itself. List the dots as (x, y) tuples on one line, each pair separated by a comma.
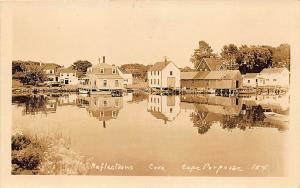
[(142, 31)]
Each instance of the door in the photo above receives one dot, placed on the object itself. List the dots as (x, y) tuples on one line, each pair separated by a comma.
[(171, 82), (236, 84), (66, 81)]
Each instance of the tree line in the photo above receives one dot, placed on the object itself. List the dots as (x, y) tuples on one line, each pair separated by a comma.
[(247, 59)]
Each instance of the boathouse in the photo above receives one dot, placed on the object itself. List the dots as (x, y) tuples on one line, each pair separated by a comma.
[(229, 80), (164, 75)]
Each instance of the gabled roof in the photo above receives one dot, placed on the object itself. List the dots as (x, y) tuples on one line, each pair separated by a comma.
[(210, 75), (49, 66), (272, 70), (159, 66), (214, 64), (250, 75), (66, 70)]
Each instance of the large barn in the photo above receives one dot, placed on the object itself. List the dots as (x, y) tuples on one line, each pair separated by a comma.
[(226, 79)]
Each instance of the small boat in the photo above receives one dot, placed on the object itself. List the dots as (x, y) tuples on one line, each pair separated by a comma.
[(82, 91)]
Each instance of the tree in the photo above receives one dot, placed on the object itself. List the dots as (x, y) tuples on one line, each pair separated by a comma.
[(32, 75), (187, 69), (81, 65), (253, 59), (204, 51), (229, 54), (281, 56)]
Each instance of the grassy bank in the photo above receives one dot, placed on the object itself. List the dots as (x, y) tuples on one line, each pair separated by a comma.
[(45, 155)]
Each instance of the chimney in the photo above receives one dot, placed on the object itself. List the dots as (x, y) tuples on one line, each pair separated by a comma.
[(103, 59), (99, 60)]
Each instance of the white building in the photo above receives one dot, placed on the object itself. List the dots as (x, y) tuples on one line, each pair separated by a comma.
[(102, 77), (67, 76), (275, 77), (127, 77), (252, 80), (166, 108), (164, 75)]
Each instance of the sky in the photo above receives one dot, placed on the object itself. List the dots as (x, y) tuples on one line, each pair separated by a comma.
[(142, 31)]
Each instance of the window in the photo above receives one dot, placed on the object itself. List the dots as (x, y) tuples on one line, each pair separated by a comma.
[(274, 80), (248, 81), (101, 114), (116, 83), (157, 81), (256, 80), (171, 110), (102, 71), (151, 81), (104, 83), (154, 73), (95, 83), (67, 74), (171, 73), (114, 71), (114, 114), (50, 71), (157, 100), (157, 72), (105, 103), (73, 74), (151, 73), (154, 81)]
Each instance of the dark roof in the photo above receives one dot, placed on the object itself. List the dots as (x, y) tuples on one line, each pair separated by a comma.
[(159, 66), (213, 63), (210, 75)]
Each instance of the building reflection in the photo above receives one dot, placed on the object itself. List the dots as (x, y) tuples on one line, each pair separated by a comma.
[(230, 113), (102, 107), (166, 108)]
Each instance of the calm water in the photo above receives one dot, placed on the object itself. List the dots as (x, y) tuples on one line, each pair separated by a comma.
[(141, 134)]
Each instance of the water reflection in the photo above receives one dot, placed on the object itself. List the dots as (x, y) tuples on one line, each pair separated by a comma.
[(102, 107), (204, 110), (233, 113), (36, 104), (166, 108)]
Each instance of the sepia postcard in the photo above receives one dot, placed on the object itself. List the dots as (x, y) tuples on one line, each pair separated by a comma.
[(150, 93)]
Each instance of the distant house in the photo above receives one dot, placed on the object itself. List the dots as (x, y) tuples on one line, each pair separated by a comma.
[(50, 71), (210, 64), (164, 75), (67, 76), (166, 108), (127, 77), (275, 77), (227, 79), (103, 77), (252, 80)]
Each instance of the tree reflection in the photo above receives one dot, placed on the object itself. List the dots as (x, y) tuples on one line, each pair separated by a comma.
[(198, 119), (35, 104)]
